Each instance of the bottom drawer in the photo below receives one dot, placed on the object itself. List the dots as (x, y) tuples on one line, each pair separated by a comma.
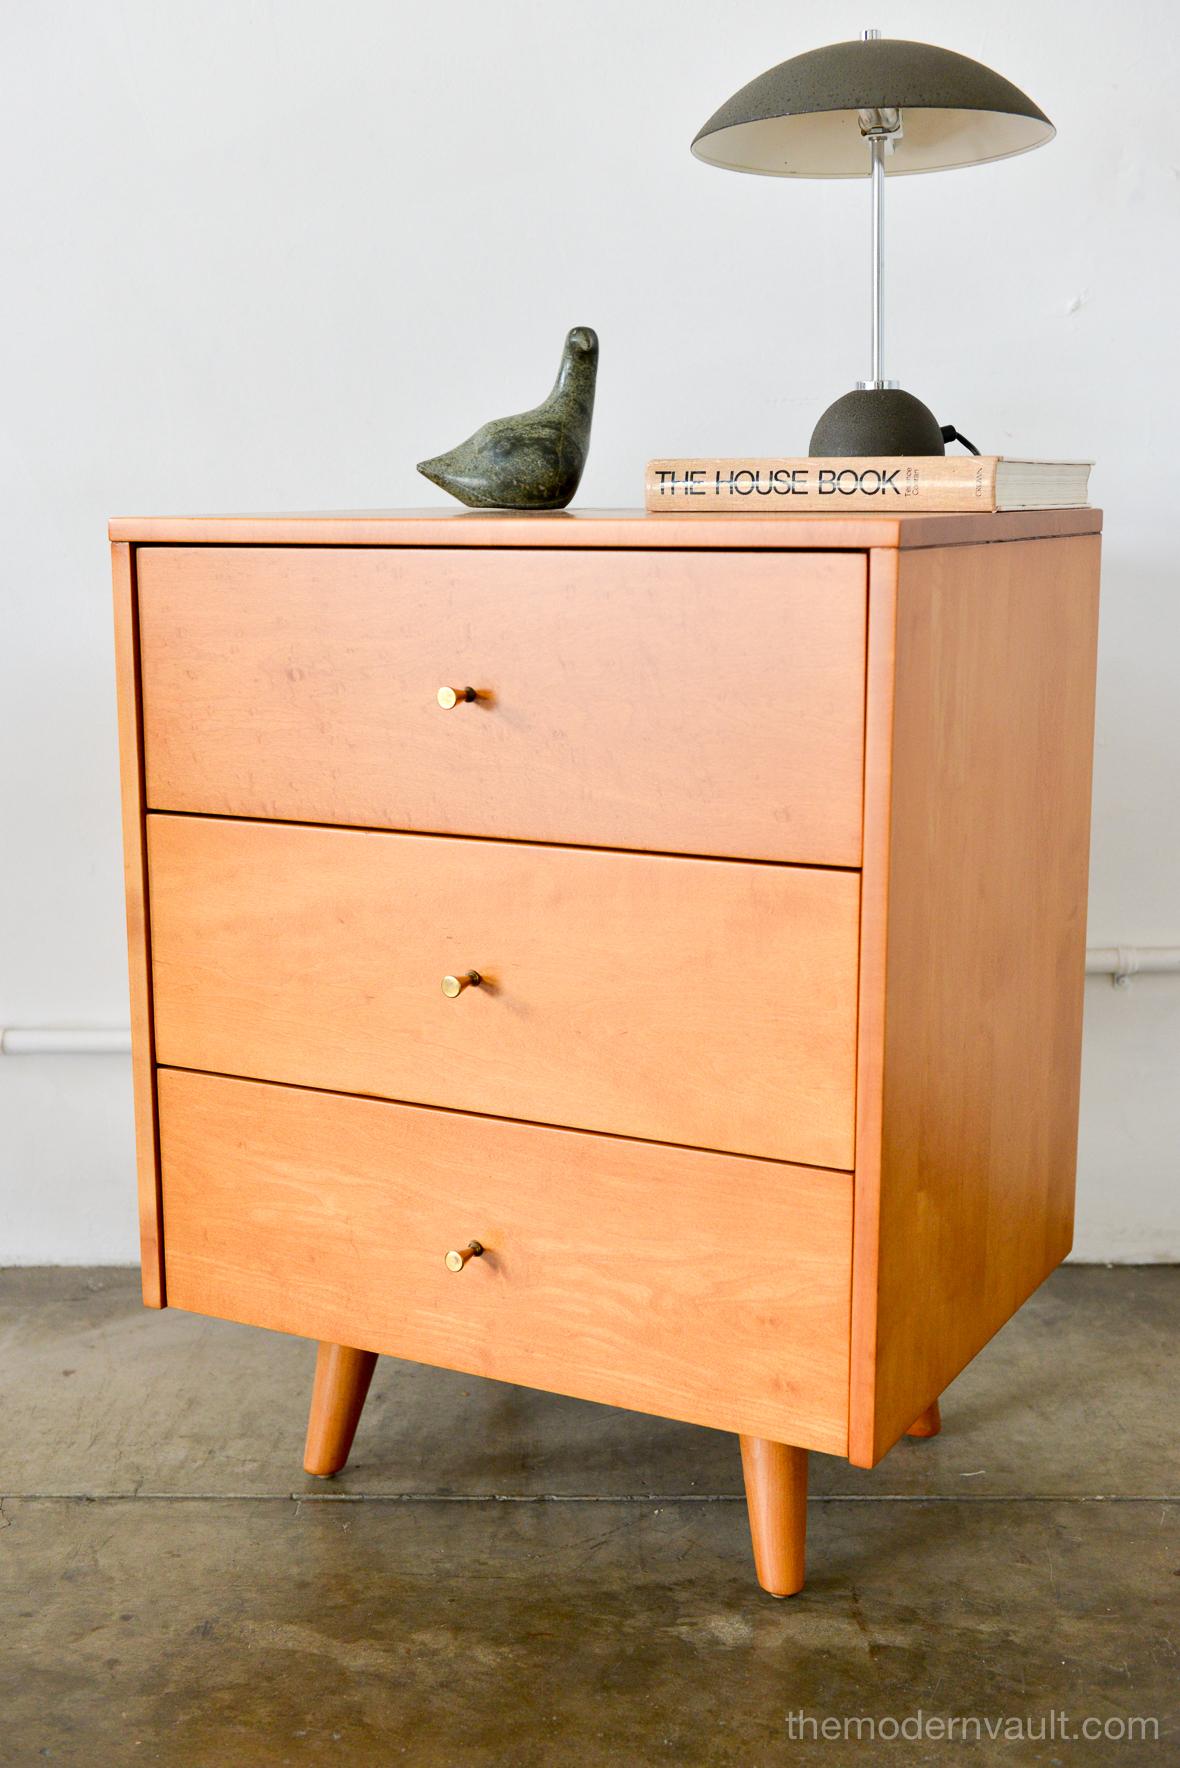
[(707, 1287)]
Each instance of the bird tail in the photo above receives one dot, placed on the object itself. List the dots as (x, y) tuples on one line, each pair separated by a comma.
[(436, 472)]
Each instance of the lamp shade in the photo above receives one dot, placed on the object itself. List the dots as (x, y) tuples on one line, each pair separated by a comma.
[(799, 119)]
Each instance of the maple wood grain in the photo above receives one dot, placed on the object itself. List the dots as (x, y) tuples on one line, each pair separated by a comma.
[(705, 687), (151, 1247), (673, 702), (706, 1002), (342, 1377), (927, 1423), (776, 1499), (698, 1286), (979, 744), (608, 529)]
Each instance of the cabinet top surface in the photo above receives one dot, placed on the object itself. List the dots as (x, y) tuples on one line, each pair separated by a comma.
[(603, 528)]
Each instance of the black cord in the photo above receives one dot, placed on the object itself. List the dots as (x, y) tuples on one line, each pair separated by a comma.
[(950, 434)]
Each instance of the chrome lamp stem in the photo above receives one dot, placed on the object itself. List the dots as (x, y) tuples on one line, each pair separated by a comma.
[(877, 149), (877, 126)]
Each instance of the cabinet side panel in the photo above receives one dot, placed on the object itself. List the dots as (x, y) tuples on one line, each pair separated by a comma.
[(870, 1027), (138, 954), (988, 844)]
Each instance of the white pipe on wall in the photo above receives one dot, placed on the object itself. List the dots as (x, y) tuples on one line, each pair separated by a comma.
[(65, 1040), (1119, 962)]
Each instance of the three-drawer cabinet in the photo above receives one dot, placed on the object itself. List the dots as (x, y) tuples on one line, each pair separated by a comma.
[(638, 957)]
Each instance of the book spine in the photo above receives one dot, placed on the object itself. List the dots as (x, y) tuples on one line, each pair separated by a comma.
[(758, 486)]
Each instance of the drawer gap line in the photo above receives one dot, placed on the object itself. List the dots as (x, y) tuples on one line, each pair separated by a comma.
[(535, 1123), (291, 822)]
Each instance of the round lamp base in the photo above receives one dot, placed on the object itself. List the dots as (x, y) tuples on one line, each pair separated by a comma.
[(876, 421)]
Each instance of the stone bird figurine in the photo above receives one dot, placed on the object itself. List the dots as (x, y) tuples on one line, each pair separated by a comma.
[(533, 461)]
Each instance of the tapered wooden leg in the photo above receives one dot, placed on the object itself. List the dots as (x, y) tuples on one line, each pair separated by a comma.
[(342, 1378), (927, 1423), (776, 1493)]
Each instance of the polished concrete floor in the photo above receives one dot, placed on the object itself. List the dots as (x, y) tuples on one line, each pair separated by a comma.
[(504, 1577)]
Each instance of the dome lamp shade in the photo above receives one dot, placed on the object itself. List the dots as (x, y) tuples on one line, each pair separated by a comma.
[(801, 118)]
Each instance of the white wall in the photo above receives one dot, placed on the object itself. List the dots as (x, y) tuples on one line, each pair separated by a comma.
[(267, 256)]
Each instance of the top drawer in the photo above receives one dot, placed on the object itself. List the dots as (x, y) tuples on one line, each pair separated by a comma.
[(674, 702)]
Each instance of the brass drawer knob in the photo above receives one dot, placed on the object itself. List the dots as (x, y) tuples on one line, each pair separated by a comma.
[(454, 985), (448, 697), (454, 1261)]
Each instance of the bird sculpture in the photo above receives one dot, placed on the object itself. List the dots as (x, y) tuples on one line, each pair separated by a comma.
[(533, 461)]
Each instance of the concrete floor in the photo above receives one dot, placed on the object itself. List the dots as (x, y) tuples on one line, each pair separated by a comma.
[(503, 1577)]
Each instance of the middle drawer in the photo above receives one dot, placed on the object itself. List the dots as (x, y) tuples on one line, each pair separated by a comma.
[(705, 1002)]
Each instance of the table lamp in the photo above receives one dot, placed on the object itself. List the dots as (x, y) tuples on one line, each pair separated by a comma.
[(876, 106)]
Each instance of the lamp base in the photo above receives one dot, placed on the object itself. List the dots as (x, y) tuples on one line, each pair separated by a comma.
[(877, 421)]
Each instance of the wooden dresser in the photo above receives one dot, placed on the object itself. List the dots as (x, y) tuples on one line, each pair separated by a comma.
[(638, 957)]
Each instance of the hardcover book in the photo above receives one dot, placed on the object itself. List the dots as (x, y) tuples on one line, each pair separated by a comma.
[(911, 482)]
